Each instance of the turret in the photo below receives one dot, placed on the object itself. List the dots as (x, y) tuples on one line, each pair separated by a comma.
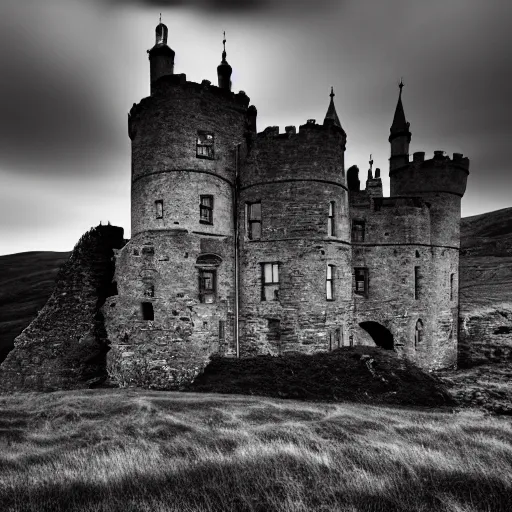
[(331, 117), (400, 136), (373, 184), (161, 57), (224, 70)]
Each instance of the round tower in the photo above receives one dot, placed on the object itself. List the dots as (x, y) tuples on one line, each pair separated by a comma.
[(295, 255), (175, 277), (440, 182)]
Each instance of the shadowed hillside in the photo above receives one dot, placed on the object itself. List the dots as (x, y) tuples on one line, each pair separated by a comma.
[(486, 259), (26, 282)]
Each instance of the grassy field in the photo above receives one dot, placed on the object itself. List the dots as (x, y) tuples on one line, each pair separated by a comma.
[(131, 450)]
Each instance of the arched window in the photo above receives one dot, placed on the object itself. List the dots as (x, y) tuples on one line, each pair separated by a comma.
[(418, 333)]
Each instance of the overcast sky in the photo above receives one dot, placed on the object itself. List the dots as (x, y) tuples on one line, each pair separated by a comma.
[(70, 71)]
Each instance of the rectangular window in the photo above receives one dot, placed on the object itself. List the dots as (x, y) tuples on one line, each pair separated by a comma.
[(361, 275), (159, 209), (147, 311), (452, 278), (416, 283), (331, 221), (204, 146), (206, 210), (222, 330), (207, 286), (358, 230), (270, 280), (329, 282), (254, 220)]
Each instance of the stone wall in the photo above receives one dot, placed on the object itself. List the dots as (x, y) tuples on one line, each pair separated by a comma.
[(65, 346)]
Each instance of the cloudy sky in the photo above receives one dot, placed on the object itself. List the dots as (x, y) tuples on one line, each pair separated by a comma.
[(70, 71)]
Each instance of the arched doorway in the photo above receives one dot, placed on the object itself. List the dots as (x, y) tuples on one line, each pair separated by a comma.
[(380, 335)]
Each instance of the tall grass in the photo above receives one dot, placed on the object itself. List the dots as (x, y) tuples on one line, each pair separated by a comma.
[(130, 450)]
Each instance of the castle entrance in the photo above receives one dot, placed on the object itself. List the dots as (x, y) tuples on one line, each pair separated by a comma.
[(380, 334)]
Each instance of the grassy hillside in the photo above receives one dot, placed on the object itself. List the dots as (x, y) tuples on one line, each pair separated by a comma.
[(486, 259), (26, 282), (128, 450)]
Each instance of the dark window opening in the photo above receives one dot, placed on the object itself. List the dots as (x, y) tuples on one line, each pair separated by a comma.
[(207, 286), (331, 221), (206, 210), (254, 220), (358, 230), (222, 329), (329, 282), (418, 333), (270, 280), (361, 275), (159, 209), (417, 254), (149, 291), (147, 311), (339, 337), (452, 282), (417, 278), (204, 145), (136, 252)]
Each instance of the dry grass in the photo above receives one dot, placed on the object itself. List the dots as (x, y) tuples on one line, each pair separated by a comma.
[(131, 450)]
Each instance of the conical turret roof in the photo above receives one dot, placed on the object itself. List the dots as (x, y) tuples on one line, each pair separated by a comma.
[(399, 126), (332, 116)]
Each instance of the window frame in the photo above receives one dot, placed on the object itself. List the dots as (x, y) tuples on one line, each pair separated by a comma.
[(418, 333), (416, 282), (365, 280), (147, 309), (275, 283), (207, 292), (251, 221), (206, 208), (452, 286), (362, 232), (159, 214), (331, 219), (201, 145), (329, 282)]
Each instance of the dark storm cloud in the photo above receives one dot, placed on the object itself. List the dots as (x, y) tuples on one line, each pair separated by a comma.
[(226, 6), (50, 113)]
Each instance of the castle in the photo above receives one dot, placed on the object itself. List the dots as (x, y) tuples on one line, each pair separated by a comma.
[(247, 243)]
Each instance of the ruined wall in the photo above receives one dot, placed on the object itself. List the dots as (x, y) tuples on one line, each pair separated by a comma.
[(162, 265), (65, 346), (295, 176)]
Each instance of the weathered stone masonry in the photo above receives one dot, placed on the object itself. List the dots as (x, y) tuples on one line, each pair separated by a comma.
[(247, 243)]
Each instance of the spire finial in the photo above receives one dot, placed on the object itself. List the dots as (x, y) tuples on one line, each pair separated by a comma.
[(401, 84), (224, 51), (160, 18), (371, 162), (332, 92)]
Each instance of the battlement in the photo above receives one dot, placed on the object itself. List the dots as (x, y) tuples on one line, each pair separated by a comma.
[(438, 160), (309, 129), (382, 203), (165, 86)]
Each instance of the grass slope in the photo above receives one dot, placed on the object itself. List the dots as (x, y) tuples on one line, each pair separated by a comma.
[(129, 450), (26, 283)]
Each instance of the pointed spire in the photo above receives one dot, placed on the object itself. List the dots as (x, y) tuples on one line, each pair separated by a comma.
[(332, 117), (399, 126), (224, 70)]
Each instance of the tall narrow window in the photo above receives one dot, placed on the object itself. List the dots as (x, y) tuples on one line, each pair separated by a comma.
[(206, 210), (207, 286), (416, 283), (418, 333), (222, 330), (452, 278), (331, 221), (358, 230), (361, 275), (204, 146), (147, 311), (254, 220), (339, 337), (149, 291), (270, 281), (159, 209), (329, 282)]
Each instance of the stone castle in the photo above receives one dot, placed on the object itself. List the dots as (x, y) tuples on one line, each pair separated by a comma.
[(247, 243)]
